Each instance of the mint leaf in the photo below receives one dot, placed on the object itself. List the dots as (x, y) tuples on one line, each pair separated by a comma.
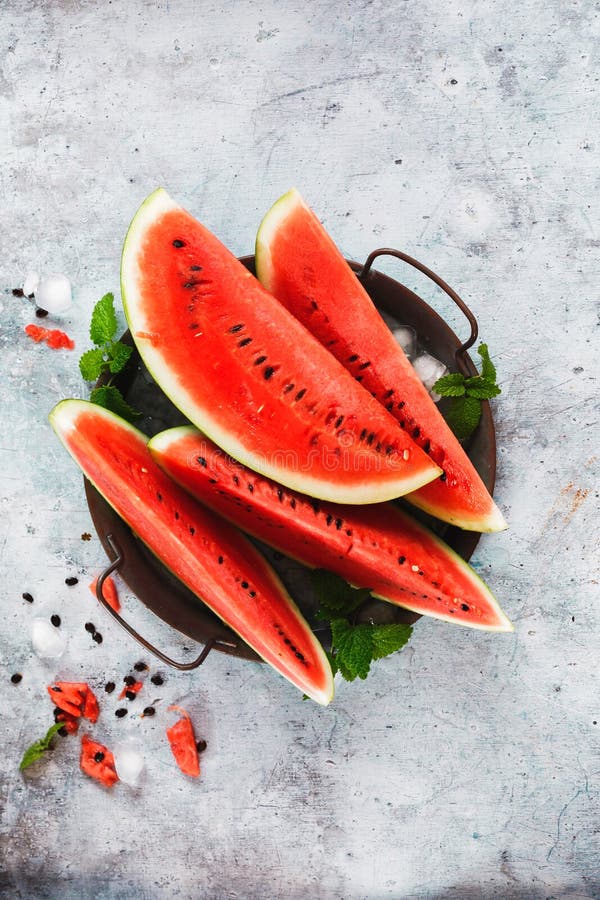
[(353, 648), (335, 595), (387, 639), (481, 388), (119, 354), (91, 364), (452, 385), (103, 326), (463, 416), (488, 370), (37, 749), (110, 397)]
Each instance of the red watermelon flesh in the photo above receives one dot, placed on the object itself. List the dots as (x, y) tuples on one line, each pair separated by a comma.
[(183, 744), (98, 762), (213, 559), (377, 547), (75, 698), (299, 263), (245, 371)]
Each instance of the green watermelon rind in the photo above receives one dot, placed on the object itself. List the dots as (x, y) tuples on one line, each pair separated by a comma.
[(160, 443), (63, 418), (159, 201)]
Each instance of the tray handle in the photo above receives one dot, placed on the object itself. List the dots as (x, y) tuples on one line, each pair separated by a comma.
[(182, 666), (460, 354)]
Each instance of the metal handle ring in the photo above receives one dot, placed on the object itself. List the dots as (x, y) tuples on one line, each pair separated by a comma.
[(459, 354), (182, 666)]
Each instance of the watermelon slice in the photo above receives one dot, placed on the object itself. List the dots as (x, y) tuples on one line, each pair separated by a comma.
[(209, 556), (183, 744), (376, 547), (98, 762), (74, 698), (245, 371), (299, 263)]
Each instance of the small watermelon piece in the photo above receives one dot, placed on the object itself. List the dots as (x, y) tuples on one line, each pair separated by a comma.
[(377, 547), (98, 762), (134, 688), (299, 263), (207, 554), (183, 744), (56, 339), (75, 698), (109, 591), (244, 370)]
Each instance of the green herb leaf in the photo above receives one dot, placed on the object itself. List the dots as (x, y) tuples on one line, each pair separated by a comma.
[(488, 370), (463, 416), (37, 749), (387, 639), (92, 364), (103, 326), (335, 596), (481, 388), (452, 385), (353, 648), (119, 354), (110, 397)]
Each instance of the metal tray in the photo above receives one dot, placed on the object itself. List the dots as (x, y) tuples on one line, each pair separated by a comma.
[(166, 596)]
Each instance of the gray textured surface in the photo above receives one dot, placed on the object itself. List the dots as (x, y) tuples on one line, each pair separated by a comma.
[(466, 134)]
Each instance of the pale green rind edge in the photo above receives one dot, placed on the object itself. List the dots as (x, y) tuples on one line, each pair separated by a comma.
[(162, 441), (316, 487), (62, 412)]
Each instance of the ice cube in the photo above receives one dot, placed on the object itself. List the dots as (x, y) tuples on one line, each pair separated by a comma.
[(48, 642), (31, 283), (129, 763), (54, 293), (407, 338), (429, 369)]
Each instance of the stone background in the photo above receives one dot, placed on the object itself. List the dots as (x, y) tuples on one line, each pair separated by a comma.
[(466, 134)]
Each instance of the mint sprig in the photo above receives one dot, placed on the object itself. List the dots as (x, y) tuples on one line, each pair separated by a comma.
[(353, 646), (466, 393), (109, 356), (39, 748)]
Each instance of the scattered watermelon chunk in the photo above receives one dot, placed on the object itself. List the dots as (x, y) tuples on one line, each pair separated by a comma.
[(97, 761), (109, 590), (135, 688), (56, 339), (183, 744), (75, 698)]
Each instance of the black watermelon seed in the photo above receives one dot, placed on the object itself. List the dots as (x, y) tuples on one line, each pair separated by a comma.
[(16, 678), (41, 313), (315, 505), (195, 268), (119, 713), (129, 680), (338, 524), (300, 394), (288, 388), (251, 488), (259, 360), (97, 637), (388, 394), (358, 378), (140, 666), (220, 560), (193, 326), (201, 746), (364, 365), (443, 476), (427, 446), (363, 434), (353, 358), (89, 626), (464, 607), (245, 585), (99, 756), (177, 243), (27, 596), (157, 679), (71, 581), (401, 560), (244, 342), (18, 292), (292, 503), (192, 530), (159, 496), (389, 450), (378, 447), (189, 285), (201, 460), (235, 328), (314, 304), (56, 689), (212, 480), (268, 372), (280, 494), (416, 432), (149, 711), (130, 695), (371, 438), (299, 655), (339, 421), (401, 405), (389, 406), (109, 687), (329, 519), (236, 480), (62, 731), (252, 593)]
